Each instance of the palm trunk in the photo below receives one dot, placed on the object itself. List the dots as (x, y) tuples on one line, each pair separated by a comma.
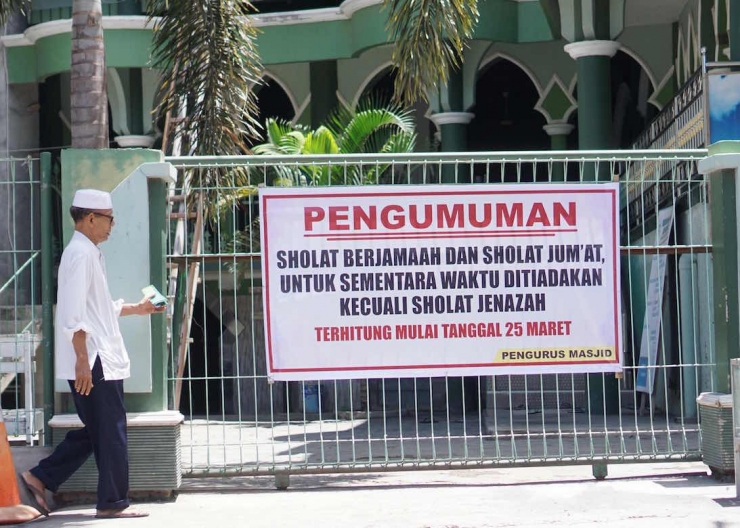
[(88, 88)]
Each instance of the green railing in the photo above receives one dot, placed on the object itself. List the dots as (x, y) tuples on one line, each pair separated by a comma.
[(237, 422)]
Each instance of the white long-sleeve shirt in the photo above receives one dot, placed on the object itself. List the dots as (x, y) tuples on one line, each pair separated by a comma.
[(84, 303)]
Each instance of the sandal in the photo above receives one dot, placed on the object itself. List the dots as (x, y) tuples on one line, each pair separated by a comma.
[(36, 495), (120, 514)]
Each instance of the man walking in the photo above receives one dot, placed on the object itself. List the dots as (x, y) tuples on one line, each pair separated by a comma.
[(91, 355)]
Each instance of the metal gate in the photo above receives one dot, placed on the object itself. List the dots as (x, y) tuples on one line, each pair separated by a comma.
[(238, 423), (20, 299)]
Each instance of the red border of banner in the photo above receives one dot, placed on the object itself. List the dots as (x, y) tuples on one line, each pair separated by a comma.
[(366, 368)]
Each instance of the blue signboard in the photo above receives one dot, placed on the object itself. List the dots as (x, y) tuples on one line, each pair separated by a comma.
[(724, 106)]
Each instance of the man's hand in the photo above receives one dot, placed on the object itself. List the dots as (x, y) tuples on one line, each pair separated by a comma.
[(143, 307), (147, 308), (83, 377)]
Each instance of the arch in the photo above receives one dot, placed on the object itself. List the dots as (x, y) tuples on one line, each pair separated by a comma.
[(373, 75), (499, 55), (632, 88), (274, 100), (506, 113), (117, 102), (642, 63), (284, 86)]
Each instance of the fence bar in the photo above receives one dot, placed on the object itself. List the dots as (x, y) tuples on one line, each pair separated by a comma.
[(735, 383), (47, 296), (239, 423), (428, 158)]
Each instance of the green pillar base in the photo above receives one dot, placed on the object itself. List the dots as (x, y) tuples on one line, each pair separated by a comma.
[(721, 169), (154, 447), (600, 471), (282, 481)]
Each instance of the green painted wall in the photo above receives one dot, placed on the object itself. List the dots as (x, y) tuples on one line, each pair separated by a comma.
[(136, 247), (51, 55), (354, 74)]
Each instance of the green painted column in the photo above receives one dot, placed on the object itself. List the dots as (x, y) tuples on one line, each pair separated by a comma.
[(594, 133), (594, 99), (452, 124), (135, 106), (735, 30), (453, 129), (324, 82), (722, 168), (558, 133)]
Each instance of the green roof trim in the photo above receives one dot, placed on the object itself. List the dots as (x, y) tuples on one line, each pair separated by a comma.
[(284, 38)]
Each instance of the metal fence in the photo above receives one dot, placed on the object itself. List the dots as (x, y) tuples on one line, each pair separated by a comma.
[(20, 287), (238, 423)]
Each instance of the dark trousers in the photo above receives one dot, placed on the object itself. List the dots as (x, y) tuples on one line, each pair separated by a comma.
[(104, 435)]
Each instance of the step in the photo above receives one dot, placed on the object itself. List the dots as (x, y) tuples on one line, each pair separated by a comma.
[(535, 401), (534, 382), (17, 327), (21, 312), (16, 421), (16, 319)]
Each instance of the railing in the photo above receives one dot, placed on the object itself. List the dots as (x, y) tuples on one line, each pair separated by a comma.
[(239, 423), (680, 125), (20, 315)]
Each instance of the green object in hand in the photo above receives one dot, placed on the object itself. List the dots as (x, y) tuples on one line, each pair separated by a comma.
[(157, 299)]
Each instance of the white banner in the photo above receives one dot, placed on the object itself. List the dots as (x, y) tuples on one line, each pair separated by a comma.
[(653, 307), (416, 281)]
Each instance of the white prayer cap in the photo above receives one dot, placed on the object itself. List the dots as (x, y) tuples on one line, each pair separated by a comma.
[(92, 199)]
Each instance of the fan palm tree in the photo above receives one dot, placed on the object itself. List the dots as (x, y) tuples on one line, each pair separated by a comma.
[(208, 56), (371, 128), (429, 39), (89, 100)]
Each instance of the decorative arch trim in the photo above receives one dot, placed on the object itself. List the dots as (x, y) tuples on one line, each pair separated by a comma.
[(368, 79), (568, 92), (500, 55), (291, 97), (653, 81), (117, 100)]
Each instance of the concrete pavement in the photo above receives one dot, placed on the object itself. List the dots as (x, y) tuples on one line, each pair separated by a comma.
[(636, 495)]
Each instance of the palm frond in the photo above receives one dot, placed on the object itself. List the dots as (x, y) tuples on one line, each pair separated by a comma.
[(321, 141), (207, 53), (369, 129), (277, 129), (399, 143), (430, 37), (372, 128)]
